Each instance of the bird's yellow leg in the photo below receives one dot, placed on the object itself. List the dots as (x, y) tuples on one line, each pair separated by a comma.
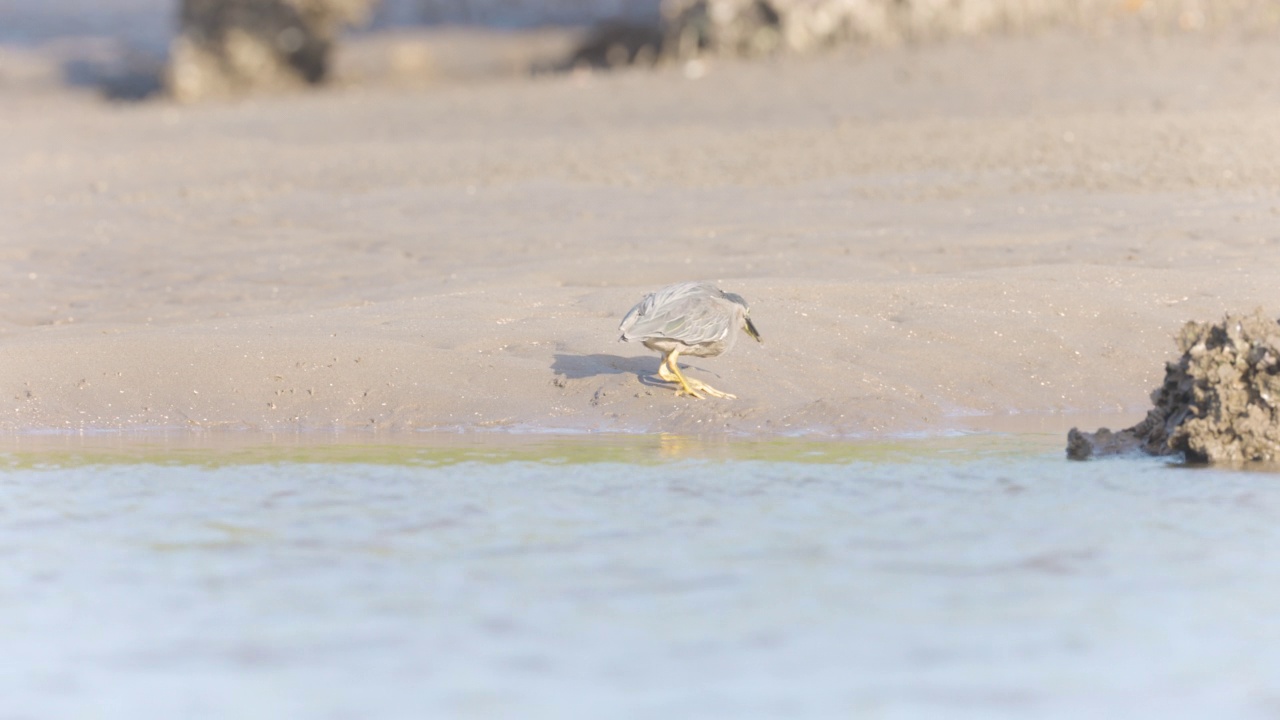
[(670, 371), (664, 373)]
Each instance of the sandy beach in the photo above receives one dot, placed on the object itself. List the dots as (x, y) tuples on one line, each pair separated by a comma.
[(982, 228)]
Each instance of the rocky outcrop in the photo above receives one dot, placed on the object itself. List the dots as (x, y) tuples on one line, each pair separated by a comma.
[(755, 27), (229, 47), (1220, 402), (615, 44)]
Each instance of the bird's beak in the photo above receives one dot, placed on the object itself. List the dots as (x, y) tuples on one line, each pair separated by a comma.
[(751, 330)]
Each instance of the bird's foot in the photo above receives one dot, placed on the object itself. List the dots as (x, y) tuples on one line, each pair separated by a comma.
[(683, 385), (693, 388), (669, 371), (701, 386), (686, 389)]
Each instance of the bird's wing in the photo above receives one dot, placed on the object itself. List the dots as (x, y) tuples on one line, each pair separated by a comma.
[(691, 313)]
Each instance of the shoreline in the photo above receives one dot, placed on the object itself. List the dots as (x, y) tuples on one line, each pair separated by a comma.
[(1013, 424), (218, 447)]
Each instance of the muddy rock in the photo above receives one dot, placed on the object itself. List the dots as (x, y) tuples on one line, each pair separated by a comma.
[(615, 44), (755, 27), (227, 47), (1220, 402)]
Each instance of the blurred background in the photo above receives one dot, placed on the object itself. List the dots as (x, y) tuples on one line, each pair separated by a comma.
[(121, 47), (194, 49), (150, 22)]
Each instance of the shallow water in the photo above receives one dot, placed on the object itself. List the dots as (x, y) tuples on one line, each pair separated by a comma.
[(973, 576)]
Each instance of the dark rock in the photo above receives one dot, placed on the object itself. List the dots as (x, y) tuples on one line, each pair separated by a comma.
[(227, 47), (755, 27), (1220, 402), (617, 43)]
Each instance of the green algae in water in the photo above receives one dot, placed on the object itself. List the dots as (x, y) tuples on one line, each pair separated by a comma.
[(444, 450)]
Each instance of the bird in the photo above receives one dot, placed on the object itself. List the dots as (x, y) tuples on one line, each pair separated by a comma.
[(688, 318)]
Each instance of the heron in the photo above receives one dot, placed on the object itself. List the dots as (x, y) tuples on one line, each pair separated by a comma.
[(688, 318)]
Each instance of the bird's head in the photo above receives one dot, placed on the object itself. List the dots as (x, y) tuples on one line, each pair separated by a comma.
[(747, 326)]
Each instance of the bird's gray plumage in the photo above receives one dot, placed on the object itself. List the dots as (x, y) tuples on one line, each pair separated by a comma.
[(696, 317), (688, 318)]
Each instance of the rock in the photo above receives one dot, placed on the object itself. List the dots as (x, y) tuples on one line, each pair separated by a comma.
[(1219, 403), (227, 47), (617, 43), (755, 27)]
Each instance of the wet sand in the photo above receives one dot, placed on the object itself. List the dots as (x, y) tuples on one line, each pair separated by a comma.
[(927, 235)]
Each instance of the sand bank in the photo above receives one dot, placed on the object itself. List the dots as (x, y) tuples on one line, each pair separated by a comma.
[(987, 228)]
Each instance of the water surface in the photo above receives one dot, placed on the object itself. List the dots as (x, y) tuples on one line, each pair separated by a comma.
[(975, 576)]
